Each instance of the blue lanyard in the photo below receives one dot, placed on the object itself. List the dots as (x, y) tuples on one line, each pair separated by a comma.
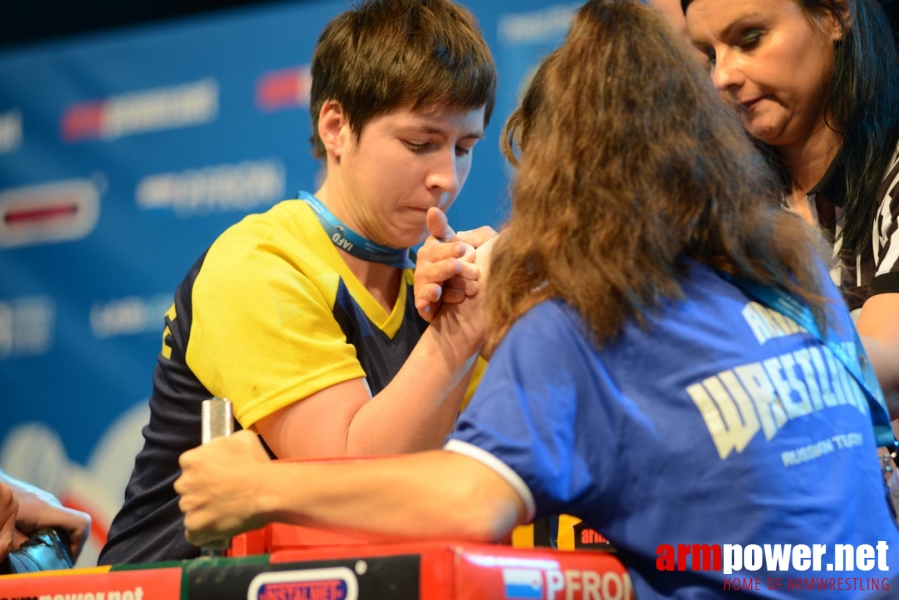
[(351, 242), (860, 369)]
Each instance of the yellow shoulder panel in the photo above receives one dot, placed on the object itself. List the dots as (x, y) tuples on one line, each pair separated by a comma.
[(263, 332)]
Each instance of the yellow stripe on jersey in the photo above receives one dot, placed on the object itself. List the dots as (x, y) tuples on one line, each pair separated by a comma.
[(166, 332), (479, 367)]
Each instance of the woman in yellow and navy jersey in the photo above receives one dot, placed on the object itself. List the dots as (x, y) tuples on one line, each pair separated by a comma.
[(304, 316)]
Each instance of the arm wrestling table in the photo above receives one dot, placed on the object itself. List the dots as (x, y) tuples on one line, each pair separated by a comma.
[(298, 563), (290, 562)]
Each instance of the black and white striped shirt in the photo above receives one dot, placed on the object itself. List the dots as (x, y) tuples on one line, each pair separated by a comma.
[(876, 269)]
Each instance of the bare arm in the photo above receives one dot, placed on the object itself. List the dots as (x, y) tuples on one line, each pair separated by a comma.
[(415, 412), (229, 486), (878, 326)]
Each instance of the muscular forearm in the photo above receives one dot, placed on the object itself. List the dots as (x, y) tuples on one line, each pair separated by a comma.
[(429, 495), (414, 412), (8, 509), (418, 409), (229, 486)]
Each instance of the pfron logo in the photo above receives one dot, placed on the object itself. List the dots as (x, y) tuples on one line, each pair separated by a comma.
[(48, 213), (10, 131), (528, 584), (214, 189), (337, 583), (284, 89), (140, 112)]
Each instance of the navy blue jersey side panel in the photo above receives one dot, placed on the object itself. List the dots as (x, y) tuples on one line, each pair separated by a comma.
[(150, 527), (380, 356)]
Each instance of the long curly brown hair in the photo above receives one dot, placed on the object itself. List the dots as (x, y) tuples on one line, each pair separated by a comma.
[(630, 165)]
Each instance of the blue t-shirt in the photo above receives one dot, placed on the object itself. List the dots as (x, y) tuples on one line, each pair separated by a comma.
[(720, 422)]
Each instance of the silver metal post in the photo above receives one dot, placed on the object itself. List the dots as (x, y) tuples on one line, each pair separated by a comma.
[(218, 421)]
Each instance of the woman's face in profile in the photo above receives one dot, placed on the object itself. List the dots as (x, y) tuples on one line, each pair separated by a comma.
[(769, 59)]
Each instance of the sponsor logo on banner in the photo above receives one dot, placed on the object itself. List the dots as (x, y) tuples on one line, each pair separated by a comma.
[(47, 213), (10, 131), (219, 188), (535, 27), (284, 89), (158, 109), (336, 583), (26, 326), (129, 316)]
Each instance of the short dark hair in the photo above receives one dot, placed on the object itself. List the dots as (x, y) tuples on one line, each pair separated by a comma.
[(385, 54)]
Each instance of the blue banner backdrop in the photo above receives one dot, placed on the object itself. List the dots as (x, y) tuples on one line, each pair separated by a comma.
[(122, 157)]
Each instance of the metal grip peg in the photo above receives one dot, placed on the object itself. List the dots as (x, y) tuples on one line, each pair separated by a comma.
[(218, 421)]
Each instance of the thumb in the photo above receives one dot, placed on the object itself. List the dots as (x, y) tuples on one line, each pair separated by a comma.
[(438, 225)]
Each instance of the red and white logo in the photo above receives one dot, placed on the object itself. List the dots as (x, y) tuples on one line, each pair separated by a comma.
[(816, 567), (48, 213), (284, 89), (172, 107)]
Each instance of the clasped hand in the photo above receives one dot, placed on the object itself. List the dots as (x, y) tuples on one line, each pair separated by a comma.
[(451, 266)]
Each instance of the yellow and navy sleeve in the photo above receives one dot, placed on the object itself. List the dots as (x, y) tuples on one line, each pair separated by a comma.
[(264, 332)]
